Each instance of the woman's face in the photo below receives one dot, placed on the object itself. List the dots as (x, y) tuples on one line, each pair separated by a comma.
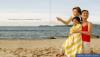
[(85, 15), (75, 12), (75, 21)]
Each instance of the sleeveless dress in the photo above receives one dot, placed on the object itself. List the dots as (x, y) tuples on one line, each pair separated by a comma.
[(85, 38), (73, 44)]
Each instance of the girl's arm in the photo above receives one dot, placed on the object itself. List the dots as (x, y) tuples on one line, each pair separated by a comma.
[(90, 28), (79, 28), (65, 22)]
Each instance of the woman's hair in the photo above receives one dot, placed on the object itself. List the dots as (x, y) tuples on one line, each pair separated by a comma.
[(77, 18), (78, 9)]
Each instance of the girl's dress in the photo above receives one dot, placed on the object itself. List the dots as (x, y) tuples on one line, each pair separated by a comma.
[(73, 44), (86, 38)]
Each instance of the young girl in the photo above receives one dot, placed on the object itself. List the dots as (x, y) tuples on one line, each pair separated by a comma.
[(73, 44), (86, 32)]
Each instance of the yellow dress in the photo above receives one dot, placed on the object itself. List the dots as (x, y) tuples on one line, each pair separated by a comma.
[(73, 44)]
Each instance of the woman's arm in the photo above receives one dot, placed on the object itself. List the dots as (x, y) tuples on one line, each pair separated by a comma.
[(65, 22)]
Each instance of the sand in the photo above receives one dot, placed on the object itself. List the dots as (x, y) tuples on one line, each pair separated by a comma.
[(36, 48)]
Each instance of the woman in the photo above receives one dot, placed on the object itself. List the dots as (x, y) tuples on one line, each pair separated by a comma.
[(73, 44), (76, 12), (86, 32)]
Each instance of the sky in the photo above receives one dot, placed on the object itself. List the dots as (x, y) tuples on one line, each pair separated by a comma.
[(44, 12)]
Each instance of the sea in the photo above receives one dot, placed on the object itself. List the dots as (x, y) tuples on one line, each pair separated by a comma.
[(37, 32)]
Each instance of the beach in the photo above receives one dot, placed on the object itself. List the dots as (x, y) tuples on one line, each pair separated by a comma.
[(37, 48)]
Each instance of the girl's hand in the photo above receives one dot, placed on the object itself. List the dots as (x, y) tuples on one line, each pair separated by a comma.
[(77, 31)]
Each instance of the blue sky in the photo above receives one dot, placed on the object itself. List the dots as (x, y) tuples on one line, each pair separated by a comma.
[(43, 12)]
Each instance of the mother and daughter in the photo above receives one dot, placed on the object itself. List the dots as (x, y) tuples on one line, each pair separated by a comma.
[(80, 33)]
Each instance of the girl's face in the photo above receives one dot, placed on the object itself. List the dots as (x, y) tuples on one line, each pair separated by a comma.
[(75, 21), (75, 12), (85, 15)]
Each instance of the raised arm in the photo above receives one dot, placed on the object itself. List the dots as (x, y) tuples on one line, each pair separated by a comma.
[(66, 22)]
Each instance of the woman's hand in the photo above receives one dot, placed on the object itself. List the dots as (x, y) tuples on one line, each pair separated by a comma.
[(59, 19)]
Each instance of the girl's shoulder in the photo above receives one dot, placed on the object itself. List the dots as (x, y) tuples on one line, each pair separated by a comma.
[(90, 23), (77, 26)]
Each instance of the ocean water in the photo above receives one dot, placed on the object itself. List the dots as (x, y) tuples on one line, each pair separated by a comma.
[(32, 32), (36, 32)]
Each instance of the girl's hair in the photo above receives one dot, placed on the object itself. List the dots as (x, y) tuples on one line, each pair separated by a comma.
[(77, 18), (84, 11), (78, 9)]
